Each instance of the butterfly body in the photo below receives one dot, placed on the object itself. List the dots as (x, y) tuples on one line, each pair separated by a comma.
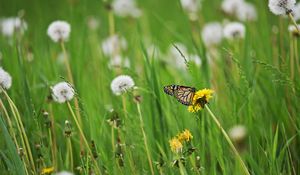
[(184, 94)]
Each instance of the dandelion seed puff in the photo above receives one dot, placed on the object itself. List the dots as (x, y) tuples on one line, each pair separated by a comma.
[(234, 30), (296, 12), (64, 173), (191, 7), (59, 31), (119, 61), (62, 92), (11, 25), (121, 84), (212, 34), (113, 44), (126, 8), (231, 6), (237, 133), (281, 7), (246, 12), (5, 79)]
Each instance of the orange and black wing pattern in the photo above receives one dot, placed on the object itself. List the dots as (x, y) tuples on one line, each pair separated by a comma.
[(183, 94)]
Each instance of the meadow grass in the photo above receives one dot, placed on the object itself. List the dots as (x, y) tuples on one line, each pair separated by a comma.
[(254, 81)]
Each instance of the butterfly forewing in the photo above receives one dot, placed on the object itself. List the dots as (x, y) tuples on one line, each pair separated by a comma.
[(183, 94)]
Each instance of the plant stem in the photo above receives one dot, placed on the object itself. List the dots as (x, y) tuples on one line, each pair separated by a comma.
[(83, 136), (69, 142), (294, 22), (70, 78), (9, 122), (53, 138), (21, 129), (145, 138), (228, 140)]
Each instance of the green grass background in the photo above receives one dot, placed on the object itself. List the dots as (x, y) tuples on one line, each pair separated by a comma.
[(258, 95)]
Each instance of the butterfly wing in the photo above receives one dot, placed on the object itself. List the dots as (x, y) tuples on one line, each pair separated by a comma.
[(169, 89), (185, 94)]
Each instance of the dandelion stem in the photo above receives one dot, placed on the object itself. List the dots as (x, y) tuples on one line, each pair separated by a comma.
[(69, 142), (292, 58), (145, 139), (294, 22), (83, 136), (70, 78), (228, 140)]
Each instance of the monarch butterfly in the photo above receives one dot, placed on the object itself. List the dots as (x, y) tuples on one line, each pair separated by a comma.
[(183, 94)]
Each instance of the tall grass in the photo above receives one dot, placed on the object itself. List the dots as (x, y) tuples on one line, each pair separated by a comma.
[(253, 80)]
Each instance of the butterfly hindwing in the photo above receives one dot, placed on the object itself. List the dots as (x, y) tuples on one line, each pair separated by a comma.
[(183, 94)]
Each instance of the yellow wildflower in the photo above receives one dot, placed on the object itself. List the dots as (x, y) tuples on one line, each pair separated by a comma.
[(200, 98), (176, 145), (47, 170), (186, 135)]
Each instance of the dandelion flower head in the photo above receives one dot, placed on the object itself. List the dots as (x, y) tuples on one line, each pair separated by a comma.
[(246, 12), (191, 7), (281, 7), (212, 34), (200, 98), (64, 173), (237, 132), (293, 30), (121, 84), (5, 79), (59, 31), (11, 25), (234, 30), (296, 11), (185, 136), (62, 92), (175, 145), (113, 44), (126, 8)]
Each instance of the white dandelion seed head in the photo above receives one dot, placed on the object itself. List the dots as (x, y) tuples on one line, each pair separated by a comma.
[(119, 61), (292, 29), (126, 8), (11, 25), (113, 44), (281, 7), (59, 31), (5, 79), (237, 133), (191, 7), (212, 34), (231, 6), (234, 30), (296, 11), (175, 57), (121, 84), (246, 12), (64, 173), (62, 92)]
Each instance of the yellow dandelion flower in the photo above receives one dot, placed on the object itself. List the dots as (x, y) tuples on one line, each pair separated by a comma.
[(200, 98), (176, 145), (186, 135), (47, 170)]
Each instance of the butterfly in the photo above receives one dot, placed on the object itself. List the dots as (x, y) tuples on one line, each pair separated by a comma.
[(183, 94)]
